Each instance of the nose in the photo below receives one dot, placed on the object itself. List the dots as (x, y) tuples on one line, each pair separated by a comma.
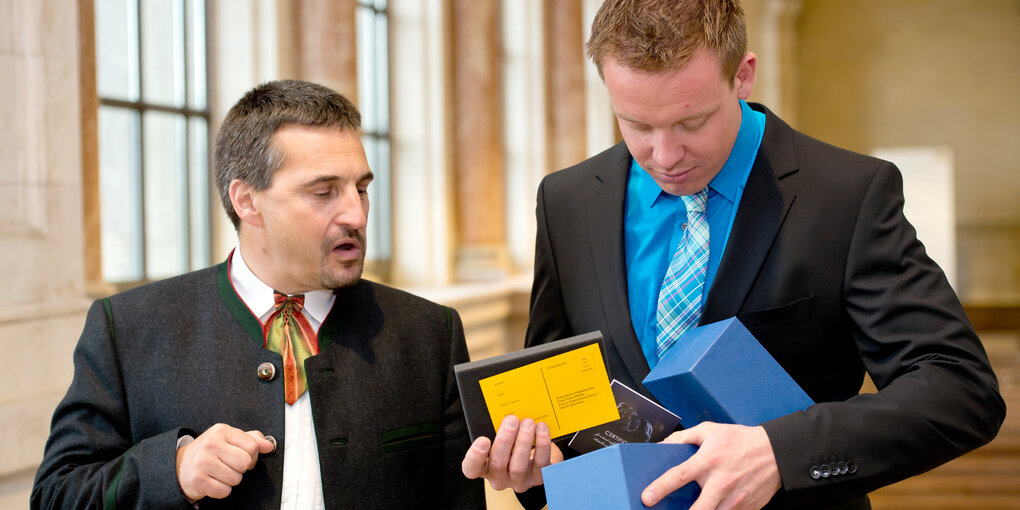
[(667, 149), (353, 209)]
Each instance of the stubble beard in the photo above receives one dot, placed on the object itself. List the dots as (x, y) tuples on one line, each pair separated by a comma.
[(349, 273)]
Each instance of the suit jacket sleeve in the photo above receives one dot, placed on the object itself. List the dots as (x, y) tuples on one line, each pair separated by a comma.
[(459, 491), (91, 459), (937, 398)]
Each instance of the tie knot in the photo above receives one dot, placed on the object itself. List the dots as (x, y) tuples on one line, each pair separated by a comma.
[(696, 202), (280, 300)]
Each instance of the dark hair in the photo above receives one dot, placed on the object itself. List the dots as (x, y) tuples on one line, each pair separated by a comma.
[(244, 146), (654, 35)]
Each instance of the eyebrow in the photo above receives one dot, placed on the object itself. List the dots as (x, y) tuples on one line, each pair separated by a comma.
[(688, 118), (332, 178)]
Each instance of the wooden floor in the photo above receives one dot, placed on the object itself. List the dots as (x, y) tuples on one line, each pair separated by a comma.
[(986, 479)]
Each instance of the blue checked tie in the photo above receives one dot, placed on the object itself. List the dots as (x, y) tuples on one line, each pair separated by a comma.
[(679, 306)]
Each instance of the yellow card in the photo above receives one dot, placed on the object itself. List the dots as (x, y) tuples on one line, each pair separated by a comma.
[(569, 392)]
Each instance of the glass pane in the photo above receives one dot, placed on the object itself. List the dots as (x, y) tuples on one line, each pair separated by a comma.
[(163, 52), (196, 55), (117, 49), (120, 188), (382, 75), (200, 194), (372, 230), (165, 171), (380, 198), (366, 69)]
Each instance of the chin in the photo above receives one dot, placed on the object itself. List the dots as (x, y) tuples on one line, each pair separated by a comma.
[(340, 278)]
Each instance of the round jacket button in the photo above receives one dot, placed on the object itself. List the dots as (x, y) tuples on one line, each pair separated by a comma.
[(272, 439), (851, 467), (815, 472), (825, 470), (267, 371), (843, 468)]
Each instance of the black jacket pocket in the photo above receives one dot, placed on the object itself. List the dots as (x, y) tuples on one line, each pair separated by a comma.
[(779, 313)]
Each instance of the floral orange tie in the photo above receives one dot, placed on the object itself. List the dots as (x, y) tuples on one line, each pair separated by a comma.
[(288, 333)]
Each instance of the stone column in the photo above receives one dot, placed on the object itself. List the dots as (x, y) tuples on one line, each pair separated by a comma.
[(565, 86), (479, 183), (327, 44)]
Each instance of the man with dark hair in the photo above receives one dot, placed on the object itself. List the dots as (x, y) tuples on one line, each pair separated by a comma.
[(279, 378), (712, 208)]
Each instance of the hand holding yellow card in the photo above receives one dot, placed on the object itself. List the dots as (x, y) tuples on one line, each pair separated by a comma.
[(569, 392)]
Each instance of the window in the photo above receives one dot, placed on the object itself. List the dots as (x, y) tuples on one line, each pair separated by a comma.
[(154, 183), (373, 98)]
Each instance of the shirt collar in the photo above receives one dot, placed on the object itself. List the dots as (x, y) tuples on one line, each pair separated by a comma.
[(259, 296), (733, 174)]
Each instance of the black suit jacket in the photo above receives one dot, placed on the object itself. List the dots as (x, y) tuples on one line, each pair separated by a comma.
[(825, 271), (180, 355)]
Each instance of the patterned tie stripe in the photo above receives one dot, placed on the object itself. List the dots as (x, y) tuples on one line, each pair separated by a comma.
[(679, 304), (289, 333)]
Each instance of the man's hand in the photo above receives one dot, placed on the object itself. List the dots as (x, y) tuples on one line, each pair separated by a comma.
[(734, 466), (510, 460), (212, 464)]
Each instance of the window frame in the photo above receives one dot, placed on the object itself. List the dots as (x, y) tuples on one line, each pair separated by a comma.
[(92, 102)]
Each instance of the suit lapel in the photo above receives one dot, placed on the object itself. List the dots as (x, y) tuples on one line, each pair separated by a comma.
[(605, 208), (760, 214)]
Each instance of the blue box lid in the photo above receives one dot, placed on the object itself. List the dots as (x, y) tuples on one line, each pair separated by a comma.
[(719, 372)]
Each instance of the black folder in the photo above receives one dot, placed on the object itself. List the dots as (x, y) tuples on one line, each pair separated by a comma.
[(476, 413)]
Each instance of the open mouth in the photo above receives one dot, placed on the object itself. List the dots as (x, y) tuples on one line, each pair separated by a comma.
[(348, 248)]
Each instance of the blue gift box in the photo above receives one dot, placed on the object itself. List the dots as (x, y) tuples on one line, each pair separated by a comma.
[(719, 372), (615, 476)]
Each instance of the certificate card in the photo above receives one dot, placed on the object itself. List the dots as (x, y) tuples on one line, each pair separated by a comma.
[(568, 392), (641, 421), (580, 386)]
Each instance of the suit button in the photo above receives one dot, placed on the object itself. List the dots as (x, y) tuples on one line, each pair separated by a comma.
[(851, 467), (272, 439), (834, 469), (843, 468), (825, 470), (267, 371), (815, 472)]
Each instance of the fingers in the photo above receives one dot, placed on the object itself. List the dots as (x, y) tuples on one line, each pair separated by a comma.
[(498, 469), (734, 465), (474, 463), (509, 460), (212, 464), (520, 459), (502, 446), (263, 446), (664, 485), (543, 449), (694, 435)]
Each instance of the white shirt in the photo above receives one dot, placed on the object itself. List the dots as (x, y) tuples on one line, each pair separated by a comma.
[(302, 482)]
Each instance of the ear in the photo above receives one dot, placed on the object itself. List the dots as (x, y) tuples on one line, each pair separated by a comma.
[(744, 79), (243, 198)]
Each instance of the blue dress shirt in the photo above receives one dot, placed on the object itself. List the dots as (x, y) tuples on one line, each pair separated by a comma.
[(652, 220)]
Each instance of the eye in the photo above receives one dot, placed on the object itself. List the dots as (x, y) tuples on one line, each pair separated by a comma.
[(693, 125), (642, 128)]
